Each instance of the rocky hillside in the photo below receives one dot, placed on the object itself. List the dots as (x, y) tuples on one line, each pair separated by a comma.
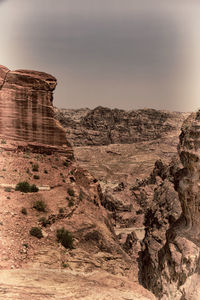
[(104, 126), (55, 230), (150, 191)]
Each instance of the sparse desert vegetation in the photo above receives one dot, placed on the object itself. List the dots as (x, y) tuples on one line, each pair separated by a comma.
[(36, 232), (64, 237), (25, 187), (40, 205)]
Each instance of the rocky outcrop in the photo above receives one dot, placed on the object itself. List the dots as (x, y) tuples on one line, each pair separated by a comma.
[(104, 126), (26, 109), (172, 270)]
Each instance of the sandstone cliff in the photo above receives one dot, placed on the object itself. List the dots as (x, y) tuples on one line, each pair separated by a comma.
[(104, 126), (26, 109)]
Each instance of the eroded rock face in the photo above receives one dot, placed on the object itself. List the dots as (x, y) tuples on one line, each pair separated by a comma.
[(175, 272), (26, 110), (188, 179)]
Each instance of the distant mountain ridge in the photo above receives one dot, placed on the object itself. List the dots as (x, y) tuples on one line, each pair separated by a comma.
[(104, 126)]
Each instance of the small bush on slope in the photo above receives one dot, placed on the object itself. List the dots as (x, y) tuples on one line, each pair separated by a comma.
[(44, 222), (37, 232), (40, 205), (70, 192), (25, 187), (64, 237), (24, 211), (35, 168)]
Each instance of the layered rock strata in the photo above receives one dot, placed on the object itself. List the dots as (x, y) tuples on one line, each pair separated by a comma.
[(26, 109), (175, 273)]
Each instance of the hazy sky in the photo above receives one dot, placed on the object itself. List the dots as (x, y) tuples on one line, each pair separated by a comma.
[(117, 53)]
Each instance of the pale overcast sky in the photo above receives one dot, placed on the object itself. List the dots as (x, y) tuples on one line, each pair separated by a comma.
[(118, 53)]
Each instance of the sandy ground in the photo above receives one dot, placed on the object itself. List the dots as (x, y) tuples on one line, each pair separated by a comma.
[(44, 284)]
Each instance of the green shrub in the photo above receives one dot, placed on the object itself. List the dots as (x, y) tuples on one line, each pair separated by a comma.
[(34, 188), (24, 211), (3, 141), (70, 202), (61, 210), (64, 237), (70, 192), (45, 171), (44, 222), (36, 177), (37, 232), (25, 187), (35, 167), (7, 189), (40, 206), (64, 265)]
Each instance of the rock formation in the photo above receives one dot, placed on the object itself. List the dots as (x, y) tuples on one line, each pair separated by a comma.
[(104, 126), (26, 110), (172, 271)]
